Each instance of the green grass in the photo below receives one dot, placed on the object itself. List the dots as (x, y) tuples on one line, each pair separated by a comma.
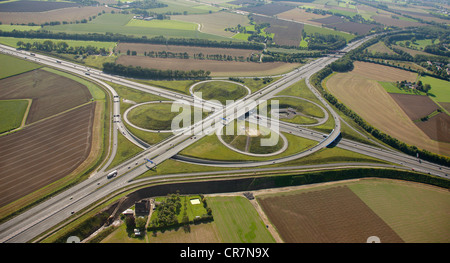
[(391, 88), (238, 221), (125, 150), (440, 89), (180, 6), (191, 210), (163, 24), (417, 213), (10, 66), (12, 113), (220, 91), (326, 31), (117, 23), (242, 36), (9, 28)]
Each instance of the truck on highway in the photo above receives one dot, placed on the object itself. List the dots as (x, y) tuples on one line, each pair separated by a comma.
[(112, 174)]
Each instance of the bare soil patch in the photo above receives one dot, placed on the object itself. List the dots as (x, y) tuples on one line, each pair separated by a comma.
[(415, 106), (389, 21), (50, 93), (334, 215), (300, 15), (437, 127), (42, 153), (217, 68), (286, 33)]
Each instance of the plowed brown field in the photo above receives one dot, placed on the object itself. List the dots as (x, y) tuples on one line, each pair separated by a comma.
[(44, 152), (50, 93), (333, 215)]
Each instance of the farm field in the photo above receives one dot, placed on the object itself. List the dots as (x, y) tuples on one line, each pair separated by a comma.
[(12, 42), (33, 6), (237, 221), (119, 23), (300, 15), (440, 89), (395, 211), (360, 91), (217, 68), (380, 47), (191, 50), (437, 127), (415, 106), (215, 23), (332, 215), (10, 66), (45, 152), (286, 33), (71, 14), (13, 112), (50, 93)]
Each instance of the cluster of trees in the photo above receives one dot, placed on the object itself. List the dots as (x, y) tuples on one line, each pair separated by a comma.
[(61, 47), (115, 37), (146, 73), (326, 42), (169, 210), (316, 80), (270, 56), (342, 65), (419, 85)]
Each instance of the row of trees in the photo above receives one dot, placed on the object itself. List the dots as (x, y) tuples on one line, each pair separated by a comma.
[(115, 37), (147, 73), (61, 47)]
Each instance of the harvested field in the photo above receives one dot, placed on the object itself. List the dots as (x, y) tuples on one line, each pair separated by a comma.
[(269, 9), (215, 23), (33, 6), (286, 33), (334, 215), (389, 21), (437, 127), (360, 91), (191, 50), (70, 14), (44, 152), (352, 27), (50, 93), (330, 20), (300, 15), (445, 105), (415, 106), (382, 73), (217, 68)]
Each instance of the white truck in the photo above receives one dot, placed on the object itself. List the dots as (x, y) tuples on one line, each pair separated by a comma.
[(112, 174)]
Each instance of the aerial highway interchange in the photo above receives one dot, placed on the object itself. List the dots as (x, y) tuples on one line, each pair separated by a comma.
[(52, 212)]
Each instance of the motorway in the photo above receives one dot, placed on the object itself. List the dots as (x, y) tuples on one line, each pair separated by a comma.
[(46, 215)]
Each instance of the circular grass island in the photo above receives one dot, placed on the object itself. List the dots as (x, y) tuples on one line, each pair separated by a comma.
[(220, 90), (246, 138), (296, 110), (157, 116)]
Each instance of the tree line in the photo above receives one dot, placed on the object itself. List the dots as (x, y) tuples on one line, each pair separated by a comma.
[(148, 73), (61, 47), (115, 37)]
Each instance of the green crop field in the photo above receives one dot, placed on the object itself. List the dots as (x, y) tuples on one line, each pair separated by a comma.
[(118, 23), (238, 221), (181, 6), (9, 28), (10, 66), (391, 88), (12, 113), (440, 89), (162, 24), (325, 31)]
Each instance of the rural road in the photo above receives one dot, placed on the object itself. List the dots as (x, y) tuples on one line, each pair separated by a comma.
[(46, 215)]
